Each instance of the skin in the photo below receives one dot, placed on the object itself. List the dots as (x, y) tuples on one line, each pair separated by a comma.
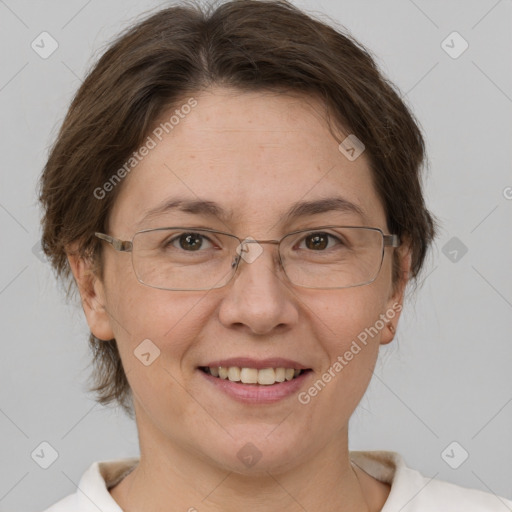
[(254, 153)]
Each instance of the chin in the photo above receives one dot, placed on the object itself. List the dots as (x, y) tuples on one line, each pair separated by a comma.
[(256, 450)]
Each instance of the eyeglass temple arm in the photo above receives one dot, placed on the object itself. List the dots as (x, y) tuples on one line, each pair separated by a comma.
[(391, 240), (118, 245)]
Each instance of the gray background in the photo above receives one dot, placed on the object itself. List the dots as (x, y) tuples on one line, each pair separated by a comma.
[(445, 378)]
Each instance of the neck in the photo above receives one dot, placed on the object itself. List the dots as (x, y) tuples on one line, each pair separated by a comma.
[(170, 478), (176, 479)]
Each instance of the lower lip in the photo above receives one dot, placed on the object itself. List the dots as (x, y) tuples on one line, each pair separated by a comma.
[(258, 393)]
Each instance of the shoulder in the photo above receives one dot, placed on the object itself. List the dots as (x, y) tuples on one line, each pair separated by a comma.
[(444, 496), (92, 493), (413, 492)]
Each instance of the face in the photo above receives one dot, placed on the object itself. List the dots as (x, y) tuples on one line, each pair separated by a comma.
[(255, 155)]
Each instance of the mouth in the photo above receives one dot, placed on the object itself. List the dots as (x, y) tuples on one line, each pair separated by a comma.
[(254, 376), (255, 381)]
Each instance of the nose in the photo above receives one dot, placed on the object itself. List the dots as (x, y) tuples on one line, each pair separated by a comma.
[(258, 298)]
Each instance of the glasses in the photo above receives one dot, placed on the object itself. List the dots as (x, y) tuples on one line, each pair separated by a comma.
[(190, 259)]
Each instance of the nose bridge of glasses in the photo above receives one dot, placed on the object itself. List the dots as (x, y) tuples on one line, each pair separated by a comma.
[(249, 255), (252, 241)]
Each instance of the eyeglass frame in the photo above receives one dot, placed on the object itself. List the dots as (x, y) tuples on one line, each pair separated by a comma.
[(388, 240)]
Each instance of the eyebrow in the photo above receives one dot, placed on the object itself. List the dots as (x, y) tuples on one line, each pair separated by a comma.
[(213, 209)]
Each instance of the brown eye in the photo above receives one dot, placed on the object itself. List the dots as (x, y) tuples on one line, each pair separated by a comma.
[(317, 241), (190, 242)]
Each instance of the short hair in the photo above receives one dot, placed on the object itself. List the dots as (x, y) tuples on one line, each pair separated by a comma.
[(248, 45)]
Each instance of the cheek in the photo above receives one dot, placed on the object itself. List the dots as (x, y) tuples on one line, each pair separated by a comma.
[(342, 323), (348, 314), (171, 320), (349, 329), (156, 331)]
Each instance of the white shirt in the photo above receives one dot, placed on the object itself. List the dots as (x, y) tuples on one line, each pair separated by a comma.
[(410, 490)]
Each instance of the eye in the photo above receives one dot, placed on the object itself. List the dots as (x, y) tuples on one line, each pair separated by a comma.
[(190, 242), (319, 241)]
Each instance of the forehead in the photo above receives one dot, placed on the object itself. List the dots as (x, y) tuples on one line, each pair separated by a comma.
[(253, 158)]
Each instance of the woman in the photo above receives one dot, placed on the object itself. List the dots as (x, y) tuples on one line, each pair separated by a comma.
[(236, 194)]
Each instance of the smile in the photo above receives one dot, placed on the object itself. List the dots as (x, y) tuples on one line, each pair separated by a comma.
[(255, 376), (256, 386)]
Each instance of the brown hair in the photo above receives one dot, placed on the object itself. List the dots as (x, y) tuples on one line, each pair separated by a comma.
[(244, 44)]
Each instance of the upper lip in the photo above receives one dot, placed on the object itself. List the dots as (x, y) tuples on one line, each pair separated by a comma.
[(248, 362)]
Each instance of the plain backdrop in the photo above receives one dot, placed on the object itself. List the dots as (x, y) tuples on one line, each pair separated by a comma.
[(447, 376)]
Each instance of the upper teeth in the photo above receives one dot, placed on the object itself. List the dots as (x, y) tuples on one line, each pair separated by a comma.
[(265, 376)]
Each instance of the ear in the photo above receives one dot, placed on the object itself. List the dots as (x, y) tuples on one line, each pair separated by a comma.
[(92, 294), (394, 304)]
